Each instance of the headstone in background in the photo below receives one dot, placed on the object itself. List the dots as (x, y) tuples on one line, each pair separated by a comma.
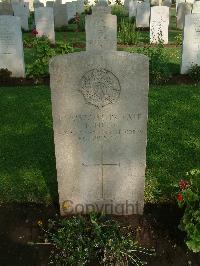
[(178, 2), (190, 1), (126, 4), (183, 9), (100, 105), (159, 24), (60, 15), (155, 2), (71, 10), (23, 13), (31, 7), (132, 8), (196, 8), (44, 21), (11, 46), (37, 5), (143, 15), (167, 3), (101, 29), (6, 9), (80, 6), (26, 5), (191, 42), (50, 4)]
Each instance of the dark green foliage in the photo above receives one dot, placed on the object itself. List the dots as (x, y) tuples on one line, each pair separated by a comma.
[(189, 198), (159, 70), (5, 74), (194, 73), (43, 52), (127, 33), (94, 238)]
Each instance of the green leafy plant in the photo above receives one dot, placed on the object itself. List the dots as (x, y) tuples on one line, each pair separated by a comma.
[(127, 33), (120, 12), (159, 70), (43, 51), (194, 72), (178, 39), (95, 238), (5, 74), (189, 199)]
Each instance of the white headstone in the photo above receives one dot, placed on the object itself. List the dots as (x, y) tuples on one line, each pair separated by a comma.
[(71, 9), (44, 21), (178, 2), (183, 9), (23, 13), (37, 5), (60, 15), (167, 3), (101, 29), (159, 24), (50, 4), (196, 7), (6, 9), (100, 105), (143, 15), (132, 8), (11, 46), (80, 6), (191, 42)]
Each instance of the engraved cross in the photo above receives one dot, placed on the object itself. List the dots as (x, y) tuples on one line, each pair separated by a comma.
[(102, 164)]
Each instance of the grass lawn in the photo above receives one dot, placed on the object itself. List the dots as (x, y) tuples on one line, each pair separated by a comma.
[(27, 161)]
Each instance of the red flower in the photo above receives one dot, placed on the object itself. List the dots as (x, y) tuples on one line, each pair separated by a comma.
[(183, 184), (34, 32), (180, 197)]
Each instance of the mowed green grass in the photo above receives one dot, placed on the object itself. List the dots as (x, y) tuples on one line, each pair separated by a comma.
[(27, 160)]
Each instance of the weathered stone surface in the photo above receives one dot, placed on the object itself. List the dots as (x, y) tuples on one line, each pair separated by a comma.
[(183, 9), (71, 9), (100, 126), (167, 3), (143, 15), (44, 20), (23, 13), (196, 8), (6, 9), (191, 42), (11, 46), (132, 8), (178, 2), (80, 6), (50, 4), (101, 29), (159, 24), (60, 15)]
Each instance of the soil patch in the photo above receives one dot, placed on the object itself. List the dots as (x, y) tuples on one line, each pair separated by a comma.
[(21, 242)]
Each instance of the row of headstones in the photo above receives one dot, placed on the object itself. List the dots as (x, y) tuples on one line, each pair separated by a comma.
[(143, 13), (11, 46), (62, 13)]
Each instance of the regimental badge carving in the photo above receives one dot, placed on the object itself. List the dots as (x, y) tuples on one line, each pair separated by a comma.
[(100, 87)]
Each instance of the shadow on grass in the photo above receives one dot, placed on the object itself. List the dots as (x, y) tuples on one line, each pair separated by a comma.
[(27, 164), (173, 138)]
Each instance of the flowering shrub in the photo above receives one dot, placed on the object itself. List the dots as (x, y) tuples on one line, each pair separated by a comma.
[(189, 198)]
